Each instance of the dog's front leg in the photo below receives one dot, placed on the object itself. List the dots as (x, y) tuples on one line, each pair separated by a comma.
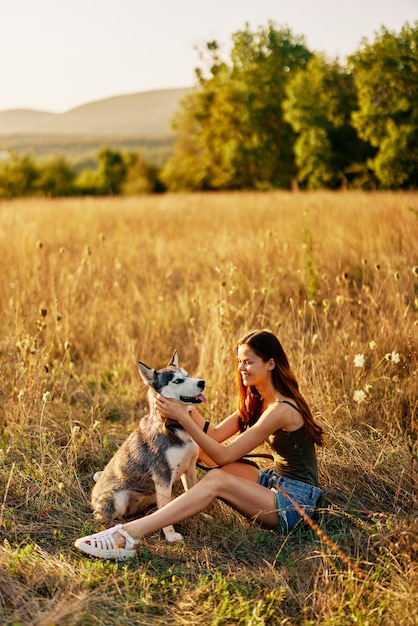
[(189, 478), (163, 493)]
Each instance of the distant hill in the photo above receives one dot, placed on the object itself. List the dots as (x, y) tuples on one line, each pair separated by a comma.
[(21, 120), (145, 114)]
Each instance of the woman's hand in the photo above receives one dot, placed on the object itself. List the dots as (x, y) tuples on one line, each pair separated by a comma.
[(172, 409)]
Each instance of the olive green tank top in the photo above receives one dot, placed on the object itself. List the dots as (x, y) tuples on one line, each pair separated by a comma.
[(294, 454)]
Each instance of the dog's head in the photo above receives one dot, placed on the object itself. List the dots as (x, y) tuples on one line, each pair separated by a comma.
[(173, 382)]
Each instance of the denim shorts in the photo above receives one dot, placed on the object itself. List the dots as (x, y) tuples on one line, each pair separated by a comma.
[(304, 494)]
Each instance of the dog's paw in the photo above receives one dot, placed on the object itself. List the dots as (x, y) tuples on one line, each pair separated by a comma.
[(174, 538), (171, 535), (96, 476)]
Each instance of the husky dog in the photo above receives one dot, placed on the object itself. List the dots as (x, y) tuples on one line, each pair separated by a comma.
[(156, 454)]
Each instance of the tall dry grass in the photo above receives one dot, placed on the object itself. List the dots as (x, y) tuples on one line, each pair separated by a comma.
[(89, 287)]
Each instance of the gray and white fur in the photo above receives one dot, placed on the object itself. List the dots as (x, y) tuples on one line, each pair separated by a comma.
[(154, 456)]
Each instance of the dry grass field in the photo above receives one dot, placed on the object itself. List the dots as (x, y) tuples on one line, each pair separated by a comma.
[(89, 287)]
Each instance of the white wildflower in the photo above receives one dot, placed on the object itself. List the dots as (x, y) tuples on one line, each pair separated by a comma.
[(359, 360), (393, 356), (359, 396)]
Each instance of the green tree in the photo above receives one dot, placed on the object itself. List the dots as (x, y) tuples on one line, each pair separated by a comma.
[(140, 177), (386, 75), (231, 131), (87, 182), (56, 178), (200, 155), (118, 173), (319, 104), (18, 176), (111, 172), (264, 62)]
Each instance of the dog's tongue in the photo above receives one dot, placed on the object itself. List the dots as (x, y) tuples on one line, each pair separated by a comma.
[(201, 397)]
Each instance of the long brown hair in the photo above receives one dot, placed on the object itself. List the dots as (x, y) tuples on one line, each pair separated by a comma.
[(250, 404)]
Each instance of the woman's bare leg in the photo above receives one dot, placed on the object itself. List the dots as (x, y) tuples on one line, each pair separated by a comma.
[(244, 495), (242, 470)]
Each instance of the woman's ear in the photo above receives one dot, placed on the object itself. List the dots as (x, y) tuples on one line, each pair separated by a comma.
[(271, 364)]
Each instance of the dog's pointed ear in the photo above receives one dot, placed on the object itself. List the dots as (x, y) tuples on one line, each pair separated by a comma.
[(174, 360), (147, 373)]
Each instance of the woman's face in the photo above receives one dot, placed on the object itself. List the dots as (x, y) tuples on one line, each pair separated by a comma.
[(254, 371)]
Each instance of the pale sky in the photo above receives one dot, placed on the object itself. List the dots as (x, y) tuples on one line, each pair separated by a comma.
[(58, 54)]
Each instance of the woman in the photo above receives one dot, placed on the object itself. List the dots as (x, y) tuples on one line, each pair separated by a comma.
[(270, 408)]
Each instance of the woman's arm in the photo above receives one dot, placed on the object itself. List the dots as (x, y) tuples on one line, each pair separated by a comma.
[(228, 427), (221, 432), (224, 430), (269, 422)]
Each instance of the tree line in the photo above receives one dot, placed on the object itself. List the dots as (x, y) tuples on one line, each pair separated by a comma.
[(116, 173), (274, 115)]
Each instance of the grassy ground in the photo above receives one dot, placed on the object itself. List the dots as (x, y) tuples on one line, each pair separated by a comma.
[(89, 287)]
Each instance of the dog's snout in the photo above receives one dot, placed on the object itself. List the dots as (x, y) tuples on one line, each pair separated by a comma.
[(201, 384)]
